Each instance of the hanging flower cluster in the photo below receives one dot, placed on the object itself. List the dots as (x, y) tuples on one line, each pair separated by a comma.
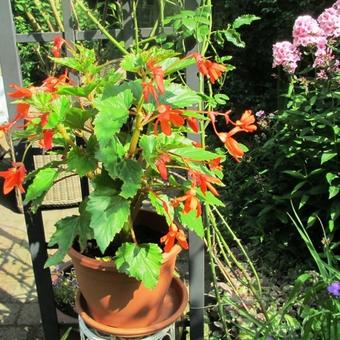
[(307, 32)]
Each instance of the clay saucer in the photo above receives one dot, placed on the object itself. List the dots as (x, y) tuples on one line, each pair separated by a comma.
[(173, 306)]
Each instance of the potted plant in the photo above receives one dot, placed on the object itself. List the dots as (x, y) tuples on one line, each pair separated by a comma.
[(65, 285), (125, 129)]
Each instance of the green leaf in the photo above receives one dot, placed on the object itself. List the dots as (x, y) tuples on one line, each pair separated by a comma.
[(178, 64), (42, 182), (130, 172), (60, 107), (81, 161), (143, 262), (330, 177), (108, 216), (132, 63), (246, 19), (233, 36), (66, 231), (148, 145), (75, 118), (294, 173), (179, 96), (333, 191), (210, 198), (159, 202), (79, 91), (196, 154), (192, 222), (113, 112), (110, 155), (327, 155)]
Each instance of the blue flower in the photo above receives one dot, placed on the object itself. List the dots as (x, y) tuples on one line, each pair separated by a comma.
[(334, 288)]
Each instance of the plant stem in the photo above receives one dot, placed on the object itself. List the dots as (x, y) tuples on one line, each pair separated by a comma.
[(151, 36), (56, 15), (161, 14), (135, 23), (214, 275), (61, 129), (42, 14), (102, 28), (138, 128)]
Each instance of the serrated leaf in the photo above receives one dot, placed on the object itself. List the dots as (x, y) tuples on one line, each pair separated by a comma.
[(192, 222), (327, 156), (179, 96), (81, 161), (66, 231), (42, 182), (209, 198), (75, 118), (148, 145), (142, 261), (234, 37), (130, 172), (108, 213), (246, 19), (196, 154), (60, 107), (113, 112), (79, 91), (162, 206)]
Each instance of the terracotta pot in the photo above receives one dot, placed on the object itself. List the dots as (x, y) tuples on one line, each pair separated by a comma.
[(116, 300)]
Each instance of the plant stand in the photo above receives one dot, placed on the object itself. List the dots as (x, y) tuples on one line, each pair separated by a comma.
[(87, 333)]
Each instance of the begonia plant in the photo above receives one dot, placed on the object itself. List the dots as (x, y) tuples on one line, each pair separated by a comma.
[(126, 129)]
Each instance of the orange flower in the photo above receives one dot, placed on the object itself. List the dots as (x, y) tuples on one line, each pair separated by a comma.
[(214, 164), (245, 123), (158, 75), (19, 92), (166, 117), (46, 141), (193, 123), (204, 181), (232, 145), (174, 234), (14, 177), (50, 83), (148, 89), (161, 165), (56, 49), (209, 68), (191, 202), (22, 111)]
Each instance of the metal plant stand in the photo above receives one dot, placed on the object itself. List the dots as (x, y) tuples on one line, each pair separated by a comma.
[(87, 333)]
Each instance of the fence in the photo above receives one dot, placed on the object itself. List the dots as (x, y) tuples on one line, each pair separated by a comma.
[(11, 70)]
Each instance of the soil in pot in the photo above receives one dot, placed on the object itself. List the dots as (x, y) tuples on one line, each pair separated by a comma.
[(115, 299)]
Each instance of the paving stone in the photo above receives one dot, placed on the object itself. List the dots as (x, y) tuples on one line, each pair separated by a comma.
[(9, 313), (29, 314), (13, 333)]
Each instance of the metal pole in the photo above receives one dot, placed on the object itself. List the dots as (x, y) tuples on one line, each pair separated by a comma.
[(9, 56), (196, 250)]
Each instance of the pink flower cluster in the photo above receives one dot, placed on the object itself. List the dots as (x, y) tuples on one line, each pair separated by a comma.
[(329, 22), (310, 32), (306, 31), (287, 55)]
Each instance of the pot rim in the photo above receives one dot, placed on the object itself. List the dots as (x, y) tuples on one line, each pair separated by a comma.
[(110, 266)]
